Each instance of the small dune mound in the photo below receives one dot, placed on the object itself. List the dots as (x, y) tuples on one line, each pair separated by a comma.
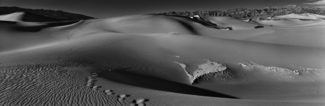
[(235, 24), (289, 22), (293, 20), (318, 16), (305, 16)]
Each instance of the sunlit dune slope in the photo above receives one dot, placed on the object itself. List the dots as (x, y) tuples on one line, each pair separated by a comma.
[(174, 53)]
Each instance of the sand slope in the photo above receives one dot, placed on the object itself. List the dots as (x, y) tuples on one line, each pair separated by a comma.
[(160, 60), (235, 24)]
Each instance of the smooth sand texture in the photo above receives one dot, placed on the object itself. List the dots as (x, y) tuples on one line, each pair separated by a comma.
[(154, 60)]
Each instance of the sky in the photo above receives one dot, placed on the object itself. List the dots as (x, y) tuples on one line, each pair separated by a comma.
[(113, 8)]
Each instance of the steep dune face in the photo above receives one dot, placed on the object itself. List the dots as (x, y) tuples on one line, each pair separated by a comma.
[(173, 51)]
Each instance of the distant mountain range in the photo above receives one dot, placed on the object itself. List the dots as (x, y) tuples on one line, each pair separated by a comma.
[(245, 13), (42, 15)]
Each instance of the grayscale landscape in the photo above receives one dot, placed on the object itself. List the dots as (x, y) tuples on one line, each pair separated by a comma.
[(273, 56)]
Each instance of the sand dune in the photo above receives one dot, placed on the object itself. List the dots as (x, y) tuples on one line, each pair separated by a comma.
[(306, 16), (290, 22), (162, 60), (235, 24), (293, 20)]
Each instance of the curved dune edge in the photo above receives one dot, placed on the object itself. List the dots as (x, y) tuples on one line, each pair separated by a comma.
[(206, 68), (128, 77)]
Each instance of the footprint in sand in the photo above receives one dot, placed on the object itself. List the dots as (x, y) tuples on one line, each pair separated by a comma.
[(122, 97), (91, 81), (95, 88), (109, 92), (139, 102), (137, 105)]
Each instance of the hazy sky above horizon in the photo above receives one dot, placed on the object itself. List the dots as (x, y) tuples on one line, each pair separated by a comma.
[(111, 8)]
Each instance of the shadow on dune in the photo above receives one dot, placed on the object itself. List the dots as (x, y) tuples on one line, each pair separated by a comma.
[(36, 28), (7, 22), (40, 27), (202, 21), (30, 17), (125, 77), (189, 27)]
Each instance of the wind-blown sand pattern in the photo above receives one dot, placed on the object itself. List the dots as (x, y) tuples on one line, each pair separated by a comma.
[(157, 60)]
